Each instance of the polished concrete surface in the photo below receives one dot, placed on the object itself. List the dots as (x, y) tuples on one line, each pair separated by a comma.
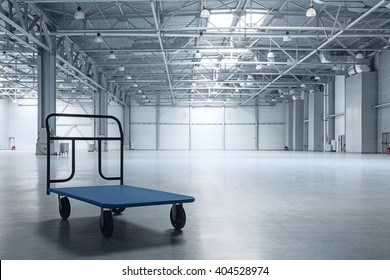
[(249, 205)]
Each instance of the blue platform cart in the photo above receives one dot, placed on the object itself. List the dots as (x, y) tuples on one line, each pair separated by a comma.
[(110, 198)]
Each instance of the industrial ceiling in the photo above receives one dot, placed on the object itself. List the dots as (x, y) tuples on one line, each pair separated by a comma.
[(188, 53)]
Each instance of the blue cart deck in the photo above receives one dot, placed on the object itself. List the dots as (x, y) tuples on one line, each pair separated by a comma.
[(121, 196)]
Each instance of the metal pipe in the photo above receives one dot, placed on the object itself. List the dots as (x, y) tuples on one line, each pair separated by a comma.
[(380, 105), (336, 115)]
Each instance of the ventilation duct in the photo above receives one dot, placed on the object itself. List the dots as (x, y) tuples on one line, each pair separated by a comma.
[(356, 69), (336, 57)]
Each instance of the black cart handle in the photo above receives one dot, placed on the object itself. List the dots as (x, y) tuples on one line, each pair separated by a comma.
[(74, 139)]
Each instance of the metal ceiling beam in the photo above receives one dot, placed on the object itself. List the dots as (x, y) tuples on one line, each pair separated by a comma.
[(202, 48), (332, 38)]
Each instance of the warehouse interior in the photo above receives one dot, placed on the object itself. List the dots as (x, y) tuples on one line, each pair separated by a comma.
[(274, 115)]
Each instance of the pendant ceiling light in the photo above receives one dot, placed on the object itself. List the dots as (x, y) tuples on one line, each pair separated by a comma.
[(111, 55), (79, 14), (205, 13), (311, 12), (287, 37), (98, 38)]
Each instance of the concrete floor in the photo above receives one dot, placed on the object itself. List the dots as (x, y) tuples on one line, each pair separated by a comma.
[(249, 205)]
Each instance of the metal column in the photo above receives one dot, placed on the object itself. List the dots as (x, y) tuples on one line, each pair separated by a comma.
[(127, 124), (46, 95), (101, 108)]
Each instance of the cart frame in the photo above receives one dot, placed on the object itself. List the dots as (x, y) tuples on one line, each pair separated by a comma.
[(50, 138), (115, 198)]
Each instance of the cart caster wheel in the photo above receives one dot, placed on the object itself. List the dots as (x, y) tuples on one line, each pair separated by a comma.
[(117, 211), (64, 208), (178, 220), (106, 223)]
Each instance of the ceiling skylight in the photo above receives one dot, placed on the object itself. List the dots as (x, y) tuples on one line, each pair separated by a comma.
[(252, 20), (220, 20)]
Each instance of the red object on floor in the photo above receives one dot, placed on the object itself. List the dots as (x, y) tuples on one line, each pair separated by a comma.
[(13, 148)]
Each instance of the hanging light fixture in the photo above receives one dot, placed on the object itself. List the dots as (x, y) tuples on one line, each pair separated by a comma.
[(197, 55), (98, 38), (128, 77), (121, 68), (270, 57), (204, 13), (359, 55), (79, 13), (201, 37), (317, 78), (335, 68), (259, 66), (311, 12), (111, 55), (287, 37)]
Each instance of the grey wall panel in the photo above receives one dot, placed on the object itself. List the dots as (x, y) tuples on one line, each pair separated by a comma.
[(383, 113), (174, 128), (298, 125), (272, 114), (316, 125), (289, 125), (207, 137), (143, 114), (339, 105), (174, 137), (4, 133), (271, 126), (246, 115), (22, 125), (240, 137), (353, 116), (143, 136), (361, 119), (207, 115), (271, 137), (174, 115), (369, 115)]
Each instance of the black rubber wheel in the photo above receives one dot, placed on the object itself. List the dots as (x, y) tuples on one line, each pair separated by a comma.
[(179, 220), (106, 223), (64, 208), (117, 211)]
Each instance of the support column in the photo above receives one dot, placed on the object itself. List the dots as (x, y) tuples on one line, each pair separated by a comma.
[(46, 95), (127, 124), (189, 128), (289, 125), (101, 108), (361, 118), (224, 129), (330, 89), (298, 125), (257, 123), (158, 122), (316, 124)]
